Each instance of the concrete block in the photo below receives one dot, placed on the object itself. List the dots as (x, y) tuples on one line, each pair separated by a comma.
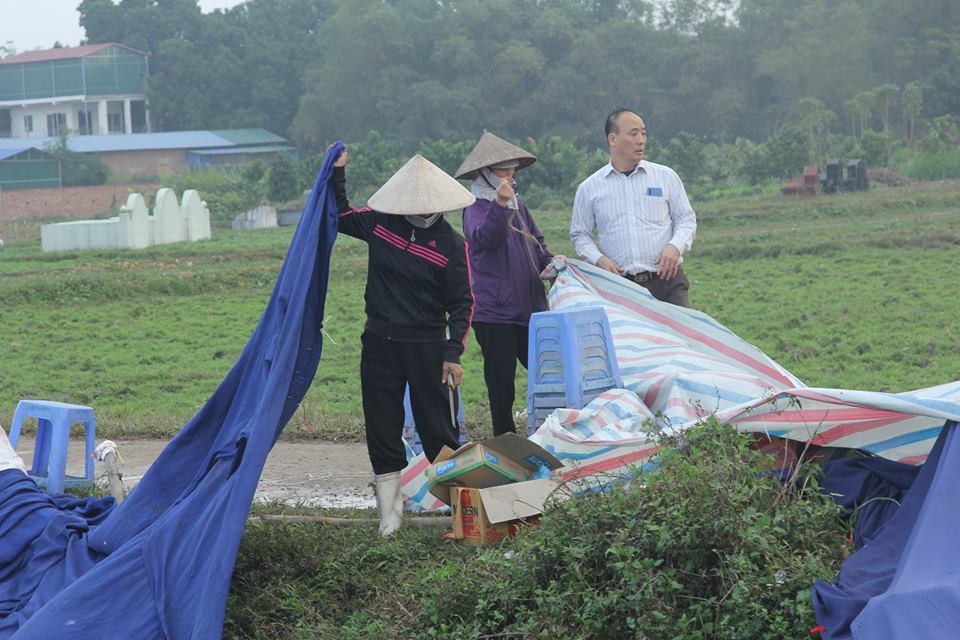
[(262, 217), (197, 215), (167, 222), (134, 227)]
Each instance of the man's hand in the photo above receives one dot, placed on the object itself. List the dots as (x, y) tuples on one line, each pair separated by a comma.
[(455, 370), (606, 263), (505, 192), (669, 262)]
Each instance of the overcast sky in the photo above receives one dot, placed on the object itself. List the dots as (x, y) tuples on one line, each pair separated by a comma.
[(32, 24)]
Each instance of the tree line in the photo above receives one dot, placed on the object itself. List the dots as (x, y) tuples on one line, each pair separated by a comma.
[(446, 69)]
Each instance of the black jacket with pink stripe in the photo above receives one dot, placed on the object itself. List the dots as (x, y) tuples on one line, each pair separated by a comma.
[(418, 280)]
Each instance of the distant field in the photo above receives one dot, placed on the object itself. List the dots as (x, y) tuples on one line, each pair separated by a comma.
[(854, 291)]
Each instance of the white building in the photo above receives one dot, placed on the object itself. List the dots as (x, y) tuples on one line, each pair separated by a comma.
[(94, 89)]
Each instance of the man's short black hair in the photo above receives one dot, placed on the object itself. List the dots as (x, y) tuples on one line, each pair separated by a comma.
[(610, 126)]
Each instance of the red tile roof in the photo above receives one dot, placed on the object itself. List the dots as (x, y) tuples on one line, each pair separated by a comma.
[(63, 53)]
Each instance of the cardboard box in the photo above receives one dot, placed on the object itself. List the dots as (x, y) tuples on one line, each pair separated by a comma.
[(476, 525), (498, 461)]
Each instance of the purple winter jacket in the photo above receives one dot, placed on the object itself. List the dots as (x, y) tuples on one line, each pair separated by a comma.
[(505, 265)]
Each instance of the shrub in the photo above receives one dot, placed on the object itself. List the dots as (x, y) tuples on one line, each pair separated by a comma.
[(709, 546), (283, 183), (685, 154), (877, 148), (446, 154), (227, 192), (78, 169), (941, 165), (781, 156), (942, 135)]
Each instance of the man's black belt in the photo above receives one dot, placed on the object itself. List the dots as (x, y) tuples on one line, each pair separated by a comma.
[(391, 331), (642, 277)]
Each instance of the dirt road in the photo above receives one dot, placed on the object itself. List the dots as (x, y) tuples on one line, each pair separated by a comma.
[(321, 474)]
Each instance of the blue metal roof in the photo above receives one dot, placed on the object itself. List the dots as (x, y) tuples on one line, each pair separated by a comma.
[(232, 151), (140, 141), (22, 143), (9, 153), (146, 141)]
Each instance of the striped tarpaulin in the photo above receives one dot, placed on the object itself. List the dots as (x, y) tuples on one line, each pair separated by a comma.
[(680, 365), (685, 365)]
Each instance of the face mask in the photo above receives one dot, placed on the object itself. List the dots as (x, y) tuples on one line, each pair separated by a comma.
[(423, 223)]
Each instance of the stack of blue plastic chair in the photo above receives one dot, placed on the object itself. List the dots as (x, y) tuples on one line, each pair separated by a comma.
[(571, 360)]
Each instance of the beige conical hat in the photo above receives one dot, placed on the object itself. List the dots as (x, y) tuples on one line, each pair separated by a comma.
[(419, 188), (492, 150)]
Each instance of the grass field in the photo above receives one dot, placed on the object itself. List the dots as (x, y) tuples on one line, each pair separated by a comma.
[(853, 291)]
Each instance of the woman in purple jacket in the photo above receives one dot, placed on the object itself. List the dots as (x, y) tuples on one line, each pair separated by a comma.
[(507, 254)]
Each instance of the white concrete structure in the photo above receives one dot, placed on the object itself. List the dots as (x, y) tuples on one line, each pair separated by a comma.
[(197, 215), (134, 228), (263, 217)]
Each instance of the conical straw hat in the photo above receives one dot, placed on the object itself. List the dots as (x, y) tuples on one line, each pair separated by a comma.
[(420, 188), (492, 150)]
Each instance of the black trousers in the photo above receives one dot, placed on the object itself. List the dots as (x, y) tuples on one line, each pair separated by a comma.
[(386, 366), (502, 346)]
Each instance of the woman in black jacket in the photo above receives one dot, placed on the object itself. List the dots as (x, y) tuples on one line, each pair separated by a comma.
[(419, 306)]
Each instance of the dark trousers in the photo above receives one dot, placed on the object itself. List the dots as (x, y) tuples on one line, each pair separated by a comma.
[(675, 291), (502, 345), (386, 366)]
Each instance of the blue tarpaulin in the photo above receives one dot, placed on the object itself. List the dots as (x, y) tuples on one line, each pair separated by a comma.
[(159, 565), (904, 582)]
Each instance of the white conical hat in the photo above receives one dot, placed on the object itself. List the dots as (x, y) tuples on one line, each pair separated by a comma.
[(420, 188), (491, 150)]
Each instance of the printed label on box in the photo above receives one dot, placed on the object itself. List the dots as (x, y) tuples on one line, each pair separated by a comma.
[(446, 467)]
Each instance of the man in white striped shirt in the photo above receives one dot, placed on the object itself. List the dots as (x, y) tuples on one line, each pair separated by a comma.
[(640, 212)]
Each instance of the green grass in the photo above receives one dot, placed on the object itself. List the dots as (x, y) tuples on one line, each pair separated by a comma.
[(305, 582), (853, 291)]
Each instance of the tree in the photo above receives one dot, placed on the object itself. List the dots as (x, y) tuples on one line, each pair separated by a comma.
[(815, 120), (685, 154), (911, 101), (725, 106), (865, 102), (237, 68), (885, 96), (427, 69), (283, 182), (852, 107)]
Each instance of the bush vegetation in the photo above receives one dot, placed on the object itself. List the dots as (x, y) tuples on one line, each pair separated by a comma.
[(711, 545)]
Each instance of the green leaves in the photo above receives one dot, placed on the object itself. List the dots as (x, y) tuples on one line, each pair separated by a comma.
[(708, 546)]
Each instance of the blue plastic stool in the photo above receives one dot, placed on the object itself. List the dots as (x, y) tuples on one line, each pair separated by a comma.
[(54, 420), (571, 360), (410, 433)]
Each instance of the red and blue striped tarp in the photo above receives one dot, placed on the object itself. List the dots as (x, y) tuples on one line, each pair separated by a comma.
[(680, 366)]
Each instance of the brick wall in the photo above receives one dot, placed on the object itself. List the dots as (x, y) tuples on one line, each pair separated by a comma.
[(132, 164), (72, 203)]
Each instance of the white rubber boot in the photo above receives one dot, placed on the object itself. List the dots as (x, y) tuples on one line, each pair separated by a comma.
[(389, 502), (8, 457)]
